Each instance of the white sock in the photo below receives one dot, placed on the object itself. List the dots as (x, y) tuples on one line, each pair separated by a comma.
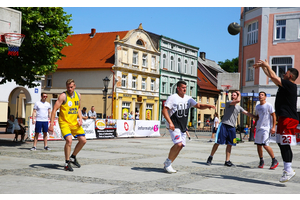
[(168, 162), (287, 167)]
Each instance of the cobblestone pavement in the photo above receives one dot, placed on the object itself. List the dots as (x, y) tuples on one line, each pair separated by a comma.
[(135, 166)]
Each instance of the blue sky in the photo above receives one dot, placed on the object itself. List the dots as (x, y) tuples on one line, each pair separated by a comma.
[(203, 27)]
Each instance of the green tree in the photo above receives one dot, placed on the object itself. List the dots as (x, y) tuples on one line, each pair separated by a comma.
[(45, 32), (230, 65)]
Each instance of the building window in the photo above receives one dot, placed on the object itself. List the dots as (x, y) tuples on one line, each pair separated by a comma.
[(191, 91), (207, 100), (172, 64), (152, 85), (252, 34), (125, 110), (171, 88), (149, 108), (144, 60), (143, 83), (185, 66), (49, 81), (179, 65), (250, 70), (164, 61), (280, 29), (124, 77), (280, 65), (163, 87), (140, 43), (125, 56), (135, 58), (192, 67), (134, 82), (153, 61)]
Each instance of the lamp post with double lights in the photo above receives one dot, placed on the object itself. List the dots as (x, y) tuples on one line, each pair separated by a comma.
[(105, 82)]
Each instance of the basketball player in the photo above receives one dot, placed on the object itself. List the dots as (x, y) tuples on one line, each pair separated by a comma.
[(226, 133), (176, 112), (265, 110), (286, 110), (69, 104)]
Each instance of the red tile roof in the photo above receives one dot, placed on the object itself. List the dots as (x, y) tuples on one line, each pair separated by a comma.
[(90, 53), (204, 83)]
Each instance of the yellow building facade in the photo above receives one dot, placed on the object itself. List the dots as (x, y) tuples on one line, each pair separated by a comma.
[(137, 76)]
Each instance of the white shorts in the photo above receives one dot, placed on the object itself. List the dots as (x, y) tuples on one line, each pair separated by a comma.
[(262, 137), (177, 136)]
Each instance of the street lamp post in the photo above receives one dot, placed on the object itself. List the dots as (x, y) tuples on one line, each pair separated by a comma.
[(105, 82), (251, 138)]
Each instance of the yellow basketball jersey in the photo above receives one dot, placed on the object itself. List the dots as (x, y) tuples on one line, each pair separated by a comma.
[(68, 112)]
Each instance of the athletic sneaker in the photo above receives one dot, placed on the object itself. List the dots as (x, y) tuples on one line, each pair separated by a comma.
[(33, 149), (47, 148), (261, 164), (209, 159), (229, 164), (74, 162), (274, 164), (68, 167), (169, 169), (287, 176)]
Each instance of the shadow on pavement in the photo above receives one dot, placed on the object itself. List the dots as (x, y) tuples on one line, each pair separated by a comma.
[(149, 169)]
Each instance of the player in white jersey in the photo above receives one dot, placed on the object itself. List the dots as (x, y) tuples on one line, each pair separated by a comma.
[(176, 112), (264, 111)]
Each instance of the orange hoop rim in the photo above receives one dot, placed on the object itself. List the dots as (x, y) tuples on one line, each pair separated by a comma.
[(226, 87), (9, 37)]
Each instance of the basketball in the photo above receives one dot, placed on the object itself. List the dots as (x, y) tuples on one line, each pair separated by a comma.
[(234, 28)]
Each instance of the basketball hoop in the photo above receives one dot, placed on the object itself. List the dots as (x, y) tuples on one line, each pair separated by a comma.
[(13, 41), (226, 88)]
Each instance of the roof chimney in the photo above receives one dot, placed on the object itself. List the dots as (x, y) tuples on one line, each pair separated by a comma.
[(202, 55), (93, 33)]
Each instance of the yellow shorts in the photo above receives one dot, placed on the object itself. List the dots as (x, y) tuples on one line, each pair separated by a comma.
[(67, 130)]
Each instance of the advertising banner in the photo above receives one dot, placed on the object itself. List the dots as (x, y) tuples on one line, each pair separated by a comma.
[(88, 126), (125, 128), (56, 135), (147, 128), (106, 128)]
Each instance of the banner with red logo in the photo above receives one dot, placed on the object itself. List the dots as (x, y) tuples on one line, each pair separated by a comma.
[(125, 128)]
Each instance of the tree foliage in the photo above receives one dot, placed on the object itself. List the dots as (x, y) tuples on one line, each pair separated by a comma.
[(230, 65), (45, 32)]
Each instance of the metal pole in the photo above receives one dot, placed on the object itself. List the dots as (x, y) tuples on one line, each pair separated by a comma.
[(104, 98), (251, 138)]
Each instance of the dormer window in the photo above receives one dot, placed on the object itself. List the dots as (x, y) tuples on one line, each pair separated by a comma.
[(140, 42)]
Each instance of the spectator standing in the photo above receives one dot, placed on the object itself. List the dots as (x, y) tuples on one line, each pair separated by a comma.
[(40, 116), (130, 116), (214, 127), (137, 115)]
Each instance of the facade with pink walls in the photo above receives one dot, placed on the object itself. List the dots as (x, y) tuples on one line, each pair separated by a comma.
[(272, 34)]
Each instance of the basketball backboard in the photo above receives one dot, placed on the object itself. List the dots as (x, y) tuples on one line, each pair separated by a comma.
[(232, 79), (10, 22)]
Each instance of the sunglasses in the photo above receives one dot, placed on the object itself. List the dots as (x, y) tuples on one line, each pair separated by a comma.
[(45, 96)]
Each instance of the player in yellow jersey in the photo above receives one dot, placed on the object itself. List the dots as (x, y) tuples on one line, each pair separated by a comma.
[(69, 104)]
